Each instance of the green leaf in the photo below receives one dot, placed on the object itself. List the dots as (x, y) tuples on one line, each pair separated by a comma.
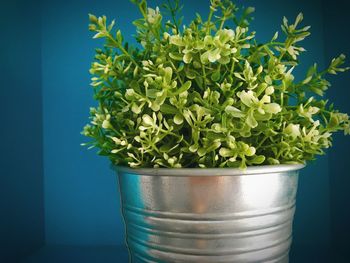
[(119, 36), (99, 35), (176, 56), (187, 58), (271, 160), (193, 148), (168, 74), (205, 57), (151, 93), (139, 23), (233, 111), (257, 159), (247, 98), (298, 19), (214, 55), (272, 108), (191, 74), (178, 119), (249, 10), (136, 108), (250, 151), (213, 146), (333, 121), (251, 122), (201, 152), (215, 76), (262, 117), (243, 165), (225, 152), (168, 109), (147, 120), (183, 88), (92, 18), (177, 40)]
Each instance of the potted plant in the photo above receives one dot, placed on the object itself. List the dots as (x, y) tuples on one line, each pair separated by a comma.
[(207, 129)]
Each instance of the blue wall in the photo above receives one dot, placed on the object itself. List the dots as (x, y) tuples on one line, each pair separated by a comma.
[(81, 200), (337, 37), (21, 175)]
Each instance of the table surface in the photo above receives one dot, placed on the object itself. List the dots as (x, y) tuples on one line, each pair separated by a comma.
[(119, 254)]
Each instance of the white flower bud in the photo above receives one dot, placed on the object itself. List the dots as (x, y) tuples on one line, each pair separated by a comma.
[(269, 90), (292, 130), (106, 124)]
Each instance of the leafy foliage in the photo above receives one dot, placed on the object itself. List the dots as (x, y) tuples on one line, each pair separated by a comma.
[(207, 94)]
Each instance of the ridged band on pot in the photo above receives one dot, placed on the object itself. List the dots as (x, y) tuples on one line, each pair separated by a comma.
[(195, 215)]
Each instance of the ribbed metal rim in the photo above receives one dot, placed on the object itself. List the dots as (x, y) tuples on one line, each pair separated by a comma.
[(262, 169)]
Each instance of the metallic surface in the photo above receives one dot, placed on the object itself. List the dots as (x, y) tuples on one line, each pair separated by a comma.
[(209, 215)]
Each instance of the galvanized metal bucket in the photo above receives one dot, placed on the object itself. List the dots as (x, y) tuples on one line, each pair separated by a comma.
[(209, 215)]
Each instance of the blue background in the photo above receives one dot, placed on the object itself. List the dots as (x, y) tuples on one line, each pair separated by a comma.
[(21, 131), (55, 193)]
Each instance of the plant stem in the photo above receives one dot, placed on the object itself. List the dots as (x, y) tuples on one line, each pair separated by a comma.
[(261, 143), (223, 20), (148, 23), (122, 49), (173, 16), (209, 20), (177, 73), (204, 77)]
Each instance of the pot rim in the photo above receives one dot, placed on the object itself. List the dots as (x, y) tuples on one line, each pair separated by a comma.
[(185, 172)]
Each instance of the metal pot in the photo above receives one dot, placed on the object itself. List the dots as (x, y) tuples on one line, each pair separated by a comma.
[(209, 215)]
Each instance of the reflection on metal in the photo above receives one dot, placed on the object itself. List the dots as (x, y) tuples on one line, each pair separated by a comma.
[(209, 215)]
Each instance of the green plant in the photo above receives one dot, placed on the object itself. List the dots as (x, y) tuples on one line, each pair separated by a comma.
[(207, 95)]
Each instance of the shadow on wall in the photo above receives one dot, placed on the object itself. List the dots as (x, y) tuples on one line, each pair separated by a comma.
[(337, 37), (21, 162)]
